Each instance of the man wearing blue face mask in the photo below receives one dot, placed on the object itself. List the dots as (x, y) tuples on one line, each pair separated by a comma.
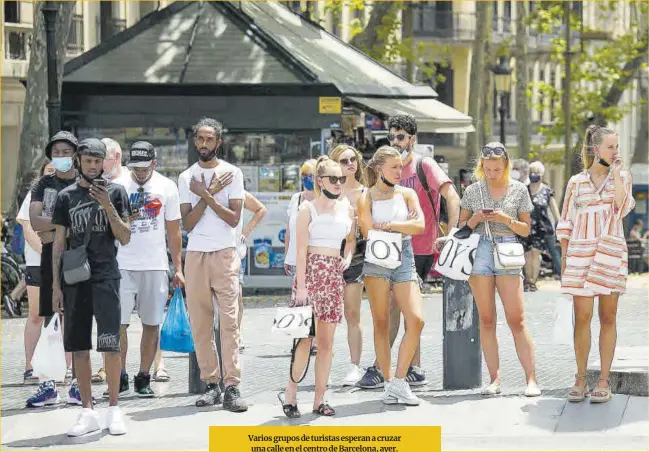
[(59, 150)]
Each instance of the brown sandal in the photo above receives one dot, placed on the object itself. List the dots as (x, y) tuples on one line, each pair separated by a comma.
[(578, 393), (600, 394)]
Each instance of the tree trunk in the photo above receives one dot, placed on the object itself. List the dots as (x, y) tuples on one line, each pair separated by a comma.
[(522, 108), (477, 82), (369, 37), (487, 104), (34, 133), (641, 148)]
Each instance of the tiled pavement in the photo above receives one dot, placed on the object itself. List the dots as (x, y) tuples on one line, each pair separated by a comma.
[(265, 360)]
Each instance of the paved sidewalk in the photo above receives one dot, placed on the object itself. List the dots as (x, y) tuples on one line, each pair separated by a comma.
[(170, 421)]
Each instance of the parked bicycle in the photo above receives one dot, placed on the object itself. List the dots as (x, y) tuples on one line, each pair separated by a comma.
[(13, 271)]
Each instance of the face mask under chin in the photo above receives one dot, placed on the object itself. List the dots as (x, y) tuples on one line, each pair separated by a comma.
[(330, 195), (386, 182), (603, 162)]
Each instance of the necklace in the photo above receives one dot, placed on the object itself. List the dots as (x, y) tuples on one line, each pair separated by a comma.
[(385, 192)]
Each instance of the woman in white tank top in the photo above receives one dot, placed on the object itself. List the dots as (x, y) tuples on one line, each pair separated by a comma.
[(321, 226), (389, 207)]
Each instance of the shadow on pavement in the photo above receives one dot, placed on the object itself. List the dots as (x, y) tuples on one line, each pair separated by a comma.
[(162, 413), (57, 440)]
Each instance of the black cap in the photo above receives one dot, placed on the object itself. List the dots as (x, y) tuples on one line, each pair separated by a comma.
[(62, 135), (141, 154), (93, 147)]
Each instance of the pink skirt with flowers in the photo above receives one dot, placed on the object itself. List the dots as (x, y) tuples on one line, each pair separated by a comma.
[(325, 287)]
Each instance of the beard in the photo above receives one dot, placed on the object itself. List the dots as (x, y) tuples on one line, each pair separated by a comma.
[(207, 157)]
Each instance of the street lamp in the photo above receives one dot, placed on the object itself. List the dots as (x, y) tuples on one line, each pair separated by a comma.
[(503, 78), (50, 11)]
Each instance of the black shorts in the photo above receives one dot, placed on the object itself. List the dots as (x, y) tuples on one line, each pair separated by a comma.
[(33, 276), (423, 264), (354, 274), (45, 294), (85, 300)]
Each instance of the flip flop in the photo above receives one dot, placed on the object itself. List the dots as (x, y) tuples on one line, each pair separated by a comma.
[(99, 377), (161, 375), (324, 410), (290, 411)]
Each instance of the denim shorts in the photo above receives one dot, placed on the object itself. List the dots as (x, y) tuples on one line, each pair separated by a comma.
[(484, 259), (403, 273)]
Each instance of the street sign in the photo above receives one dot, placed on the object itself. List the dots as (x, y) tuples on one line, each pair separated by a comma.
[(330, 105)]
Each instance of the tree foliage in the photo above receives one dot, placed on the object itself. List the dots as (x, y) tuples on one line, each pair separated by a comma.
[(601, 69)]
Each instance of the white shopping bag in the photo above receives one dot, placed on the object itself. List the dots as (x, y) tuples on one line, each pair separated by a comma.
[(563, 322), (384, 249), (457, 256), (294, 322), (48, 361)]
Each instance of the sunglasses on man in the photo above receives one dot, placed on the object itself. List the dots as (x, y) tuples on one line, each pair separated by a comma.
[(348, 161), (497, 151), (335, 179), (399, 137)]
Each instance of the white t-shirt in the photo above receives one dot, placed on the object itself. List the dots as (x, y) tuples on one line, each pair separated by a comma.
[(32, 258), (291, 212), (211, 233), (157, 202)]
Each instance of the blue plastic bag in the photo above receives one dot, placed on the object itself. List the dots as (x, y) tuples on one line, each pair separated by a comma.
[(176, 334)]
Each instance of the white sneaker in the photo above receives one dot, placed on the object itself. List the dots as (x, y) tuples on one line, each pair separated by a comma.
[(87, 422), (387, 398), (115, 421), (354, 375), (400, 389)]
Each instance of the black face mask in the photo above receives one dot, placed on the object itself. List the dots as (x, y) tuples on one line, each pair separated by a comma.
[(387, 182), (330, 195), (208, 157), (603, 162)]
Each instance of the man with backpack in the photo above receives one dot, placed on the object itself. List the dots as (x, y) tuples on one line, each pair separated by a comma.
[(430, 182)]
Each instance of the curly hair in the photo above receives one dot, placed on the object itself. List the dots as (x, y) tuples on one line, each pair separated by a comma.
[(208, 122), (403, 122)]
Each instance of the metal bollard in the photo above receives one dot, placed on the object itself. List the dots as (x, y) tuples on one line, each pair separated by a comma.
[(461, 343), (195, 384)]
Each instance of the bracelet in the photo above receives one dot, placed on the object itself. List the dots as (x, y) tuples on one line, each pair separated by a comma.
[(389, 227)]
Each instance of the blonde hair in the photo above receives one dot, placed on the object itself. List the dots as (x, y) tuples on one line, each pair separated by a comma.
[(593, 138), (378, 159), (478, 172), (360, 164), (308, 167), (321, 166)]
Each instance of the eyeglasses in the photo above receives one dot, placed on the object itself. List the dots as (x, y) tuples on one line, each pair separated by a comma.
[(399, 137), (488, 152), (348, 161), (335, 179)]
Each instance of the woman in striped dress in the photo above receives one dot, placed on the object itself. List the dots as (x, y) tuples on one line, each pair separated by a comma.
[(593, 251)]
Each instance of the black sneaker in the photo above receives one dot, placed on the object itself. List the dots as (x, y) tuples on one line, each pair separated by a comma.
[(372, 379), (142, 385), (211, 396), (233, 400), (416, 376), (123, 386)]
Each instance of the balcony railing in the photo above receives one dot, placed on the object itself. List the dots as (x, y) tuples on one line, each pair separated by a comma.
[(17, 39), (75, 39)]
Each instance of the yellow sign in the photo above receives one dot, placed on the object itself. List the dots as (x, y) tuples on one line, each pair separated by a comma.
[(325, 439), (331, 105)]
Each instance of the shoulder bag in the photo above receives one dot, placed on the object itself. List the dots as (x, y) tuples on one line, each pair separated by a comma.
[(507, 255), (75, 265)]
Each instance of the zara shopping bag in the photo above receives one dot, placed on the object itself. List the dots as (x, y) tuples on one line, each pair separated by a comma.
[(296, 322), (48, 361), (176, 334), (562, 332), (457, 256), (384, 249)]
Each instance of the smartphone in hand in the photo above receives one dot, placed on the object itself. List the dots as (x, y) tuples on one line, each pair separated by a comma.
[(99, 182), (487, 211)]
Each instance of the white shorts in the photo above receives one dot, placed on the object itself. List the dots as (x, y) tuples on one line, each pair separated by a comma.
[(151, 288)]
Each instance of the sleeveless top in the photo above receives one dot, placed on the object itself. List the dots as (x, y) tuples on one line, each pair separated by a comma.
[(328, 230), (390, 210)]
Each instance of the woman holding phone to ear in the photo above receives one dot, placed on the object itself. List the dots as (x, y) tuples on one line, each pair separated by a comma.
[(505, 205)]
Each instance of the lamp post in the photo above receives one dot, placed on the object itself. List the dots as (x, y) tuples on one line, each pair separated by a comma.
[(503, 78), (50, 11)]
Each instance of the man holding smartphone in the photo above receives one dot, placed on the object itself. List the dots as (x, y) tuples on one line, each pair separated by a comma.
[(104, 208)]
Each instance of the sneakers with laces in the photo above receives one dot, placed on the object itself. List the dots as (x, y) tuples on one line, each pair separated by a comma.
[(87, 422), (29, 378), (74, 395), (372, 379), (142, 385), (400, 390), (232, 401), (211, 396), (46, 394), (416, 376), (115, 421), (387, 398), (353, 376), (123, 385)]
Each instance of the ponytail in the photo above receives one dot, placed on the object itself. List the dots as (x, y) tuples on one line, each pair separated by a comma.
[(593, 138)]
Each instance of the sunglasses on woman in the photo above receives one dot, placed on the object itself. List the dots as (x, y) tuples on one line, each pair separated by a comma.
[(335, 179), (348, 161), (498, 151)]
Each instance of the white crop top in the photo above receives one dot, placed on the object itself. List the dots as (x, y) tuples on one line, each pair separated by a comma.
[(327, 230), (387, 210)]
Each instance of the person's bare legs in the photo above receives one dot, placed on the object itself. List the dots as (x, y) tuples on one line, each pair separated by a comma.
[(607, 310), (352, 300), (113, 370), (408, 297), (510, 289), (159, 362), (32, 326), (583, 310), (84, 371), (484, 293), (18, 292), (148, 347), (325, 334), (302, 353), (378, 291), (395, 324)]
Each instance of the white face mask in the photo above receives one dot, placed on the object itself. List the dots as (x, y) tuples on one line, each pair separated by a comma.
[(516, 175)]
